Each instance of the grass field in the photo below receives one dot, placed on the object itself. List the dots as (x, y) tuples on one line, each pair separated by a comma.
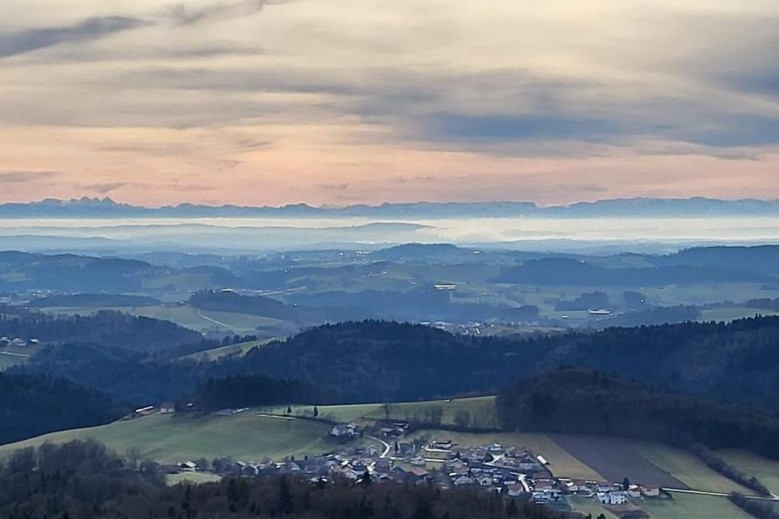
[(7, 361), (683, 506), (751, 464), (687, 506), (202, 321), (482, 411), (192, 477), (616, 459), (687, 468), (177, 438), (731, 314), (589, 505), (14, 356), (239, 349)]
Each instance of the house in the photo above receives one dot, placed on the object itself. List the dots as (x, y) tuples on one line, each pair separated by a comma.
[(634, 491), (604, 487), (18, 342), (442, 444), (144, 411), (544, 484), (484, 481), (188, 466), (650, 491), (515, 489), (167, 408), (463, 481), (613, 498), (345, 431), (382, 466)]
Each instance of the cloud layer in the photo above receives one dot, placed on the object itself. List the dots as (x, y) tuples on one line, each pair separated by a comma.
[(255, 101)]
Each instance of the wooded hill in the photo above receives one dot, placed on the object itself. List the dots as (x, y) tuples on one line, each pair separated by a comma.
[(375, 361), (30, 406), (591, 402)]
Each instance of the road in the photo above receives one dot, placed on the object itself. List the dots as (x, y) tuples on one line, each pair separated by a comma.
[(14, 354), (717, 494), (220, 323), (385, 444)]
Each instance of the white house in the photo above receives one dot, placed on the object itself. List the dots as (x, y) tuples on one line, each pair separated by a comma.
[(613, 498)]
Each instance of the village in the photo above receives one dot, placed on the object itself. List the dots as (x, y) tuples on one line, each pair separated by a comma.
[(510, 471)]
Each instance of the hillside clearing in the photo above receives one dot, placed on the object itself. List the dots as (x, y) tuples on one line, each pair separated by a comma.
[(239, 349), (481, 411)]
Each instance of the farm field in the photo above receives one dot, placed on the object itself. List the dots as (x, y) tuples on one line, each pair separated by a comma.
[(683, 506), (177, 438), (687, 468), (688, 506), (239, 349), (192, 477), (731, 314), (751, 464), (205, 322), (8, 360), (14, 356), (616, 459), (589, 505), (481, 411)]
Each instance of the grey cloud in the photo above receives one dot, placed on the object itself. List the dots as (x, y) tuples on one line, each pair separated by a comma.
[(90, 29), (183, 15), (19, 177), (105, 188), (334, 187)]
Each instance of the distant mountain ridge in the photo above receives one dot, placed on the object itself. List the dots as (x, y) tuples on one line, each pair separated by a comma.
[(622, 207)]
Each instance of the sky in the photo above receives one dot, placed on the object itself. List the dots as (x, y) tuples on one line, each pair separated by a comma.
[(337, 102)]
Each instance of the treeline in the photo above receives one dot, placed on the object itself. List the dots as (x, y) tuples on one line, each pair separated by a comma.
[(755, 508), (84, 480), (576, 272), (248, 391), (93, 301), (590, 402), (31, 406), (371, 361), (109, 328), (227, 301), (714, 462)]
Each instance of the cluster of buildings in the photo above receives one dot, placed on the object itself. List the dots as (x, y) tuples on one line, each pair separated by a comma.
[(16, 342), (352, 464), (509, 471)]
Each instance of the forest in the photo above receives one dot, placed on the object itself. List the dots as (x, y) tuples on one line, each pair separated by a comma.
[(30, 406), (106, 327), (591, 402)]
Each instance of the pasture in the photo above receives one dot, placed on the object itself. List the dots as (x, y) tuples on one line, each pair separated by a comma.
[(688, 506), (230, 350), (481, 411), (177, 438), (206, 322), (751, 464)]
